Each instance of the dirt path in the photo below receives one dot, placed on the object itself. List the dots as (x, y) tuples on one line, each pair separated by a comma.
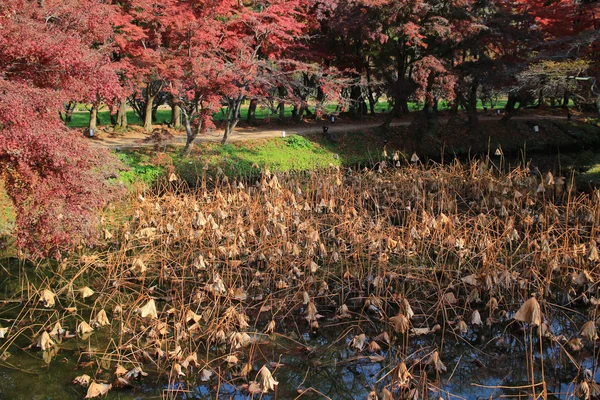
[(135, 138)]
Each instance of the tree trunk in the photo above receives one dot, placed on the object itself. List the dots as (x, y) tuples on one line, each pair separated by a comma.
[(176, 116), (473, 118), (471, 106), (93, 124), (229, 128), (356, 98), (251, 118), (69, 111), (540, 103), (301, 110), (190, 135), (431, 121), (566, 96), (403, 105), (113, 115), (148, 114), (122, 115), (510, 108), (281, 105), (370, 90), (372, 102), (390, 117), (152, 90), (233, 117)]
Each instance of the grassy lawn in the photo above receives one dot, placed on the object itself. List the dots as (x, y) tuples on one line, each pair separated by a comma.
[(81, 118), (294, 152), (247, 159)]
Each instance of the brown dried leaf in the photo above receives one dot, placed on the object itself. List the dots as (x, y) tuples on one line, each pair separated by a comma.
[(44, 342), (83, 380), (47, 297), (530, 312), (435, 361), (359, 342), (401, 323), (267, 382), (97, 390), (588, 331), (149, 310)]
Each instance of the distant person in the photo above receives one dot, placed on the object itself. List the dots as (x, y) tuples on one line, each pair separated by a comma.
[(333, 119), (498, 111), (485, 109)]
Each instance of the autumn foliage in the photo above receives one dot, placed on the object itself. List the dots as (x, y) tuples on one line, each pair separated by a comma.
[(55, 180), (199, 56)]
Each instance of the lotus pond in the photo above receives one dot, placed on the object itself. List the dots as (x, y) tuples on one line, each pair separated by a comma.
[(422, 281)]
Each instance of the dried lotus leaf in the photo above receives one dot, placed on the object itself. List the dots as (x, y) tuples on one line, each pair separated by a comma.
[(267, 382), (44, 341), (359, 342), (83, 380), (101, 319), (85, 292), (436, 362), (530, 312), (401, 323), (97, 389), (589, 332), (47, 296), (84, 328), (149, 310)]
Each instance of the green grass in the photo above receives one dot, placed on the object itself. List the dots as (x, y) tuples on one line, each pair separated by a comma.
[(141, 169), (592, 175), (593, 121), (247, 159), (80, 119), (591, 160)]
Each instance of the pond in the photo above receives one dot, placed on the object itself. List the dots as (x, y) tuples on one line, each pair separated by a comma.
[(411, 283), (325, 366)]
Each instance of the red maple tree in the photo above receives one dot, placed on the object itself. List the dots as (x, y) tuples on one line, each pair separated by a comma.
[(55, 180)]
